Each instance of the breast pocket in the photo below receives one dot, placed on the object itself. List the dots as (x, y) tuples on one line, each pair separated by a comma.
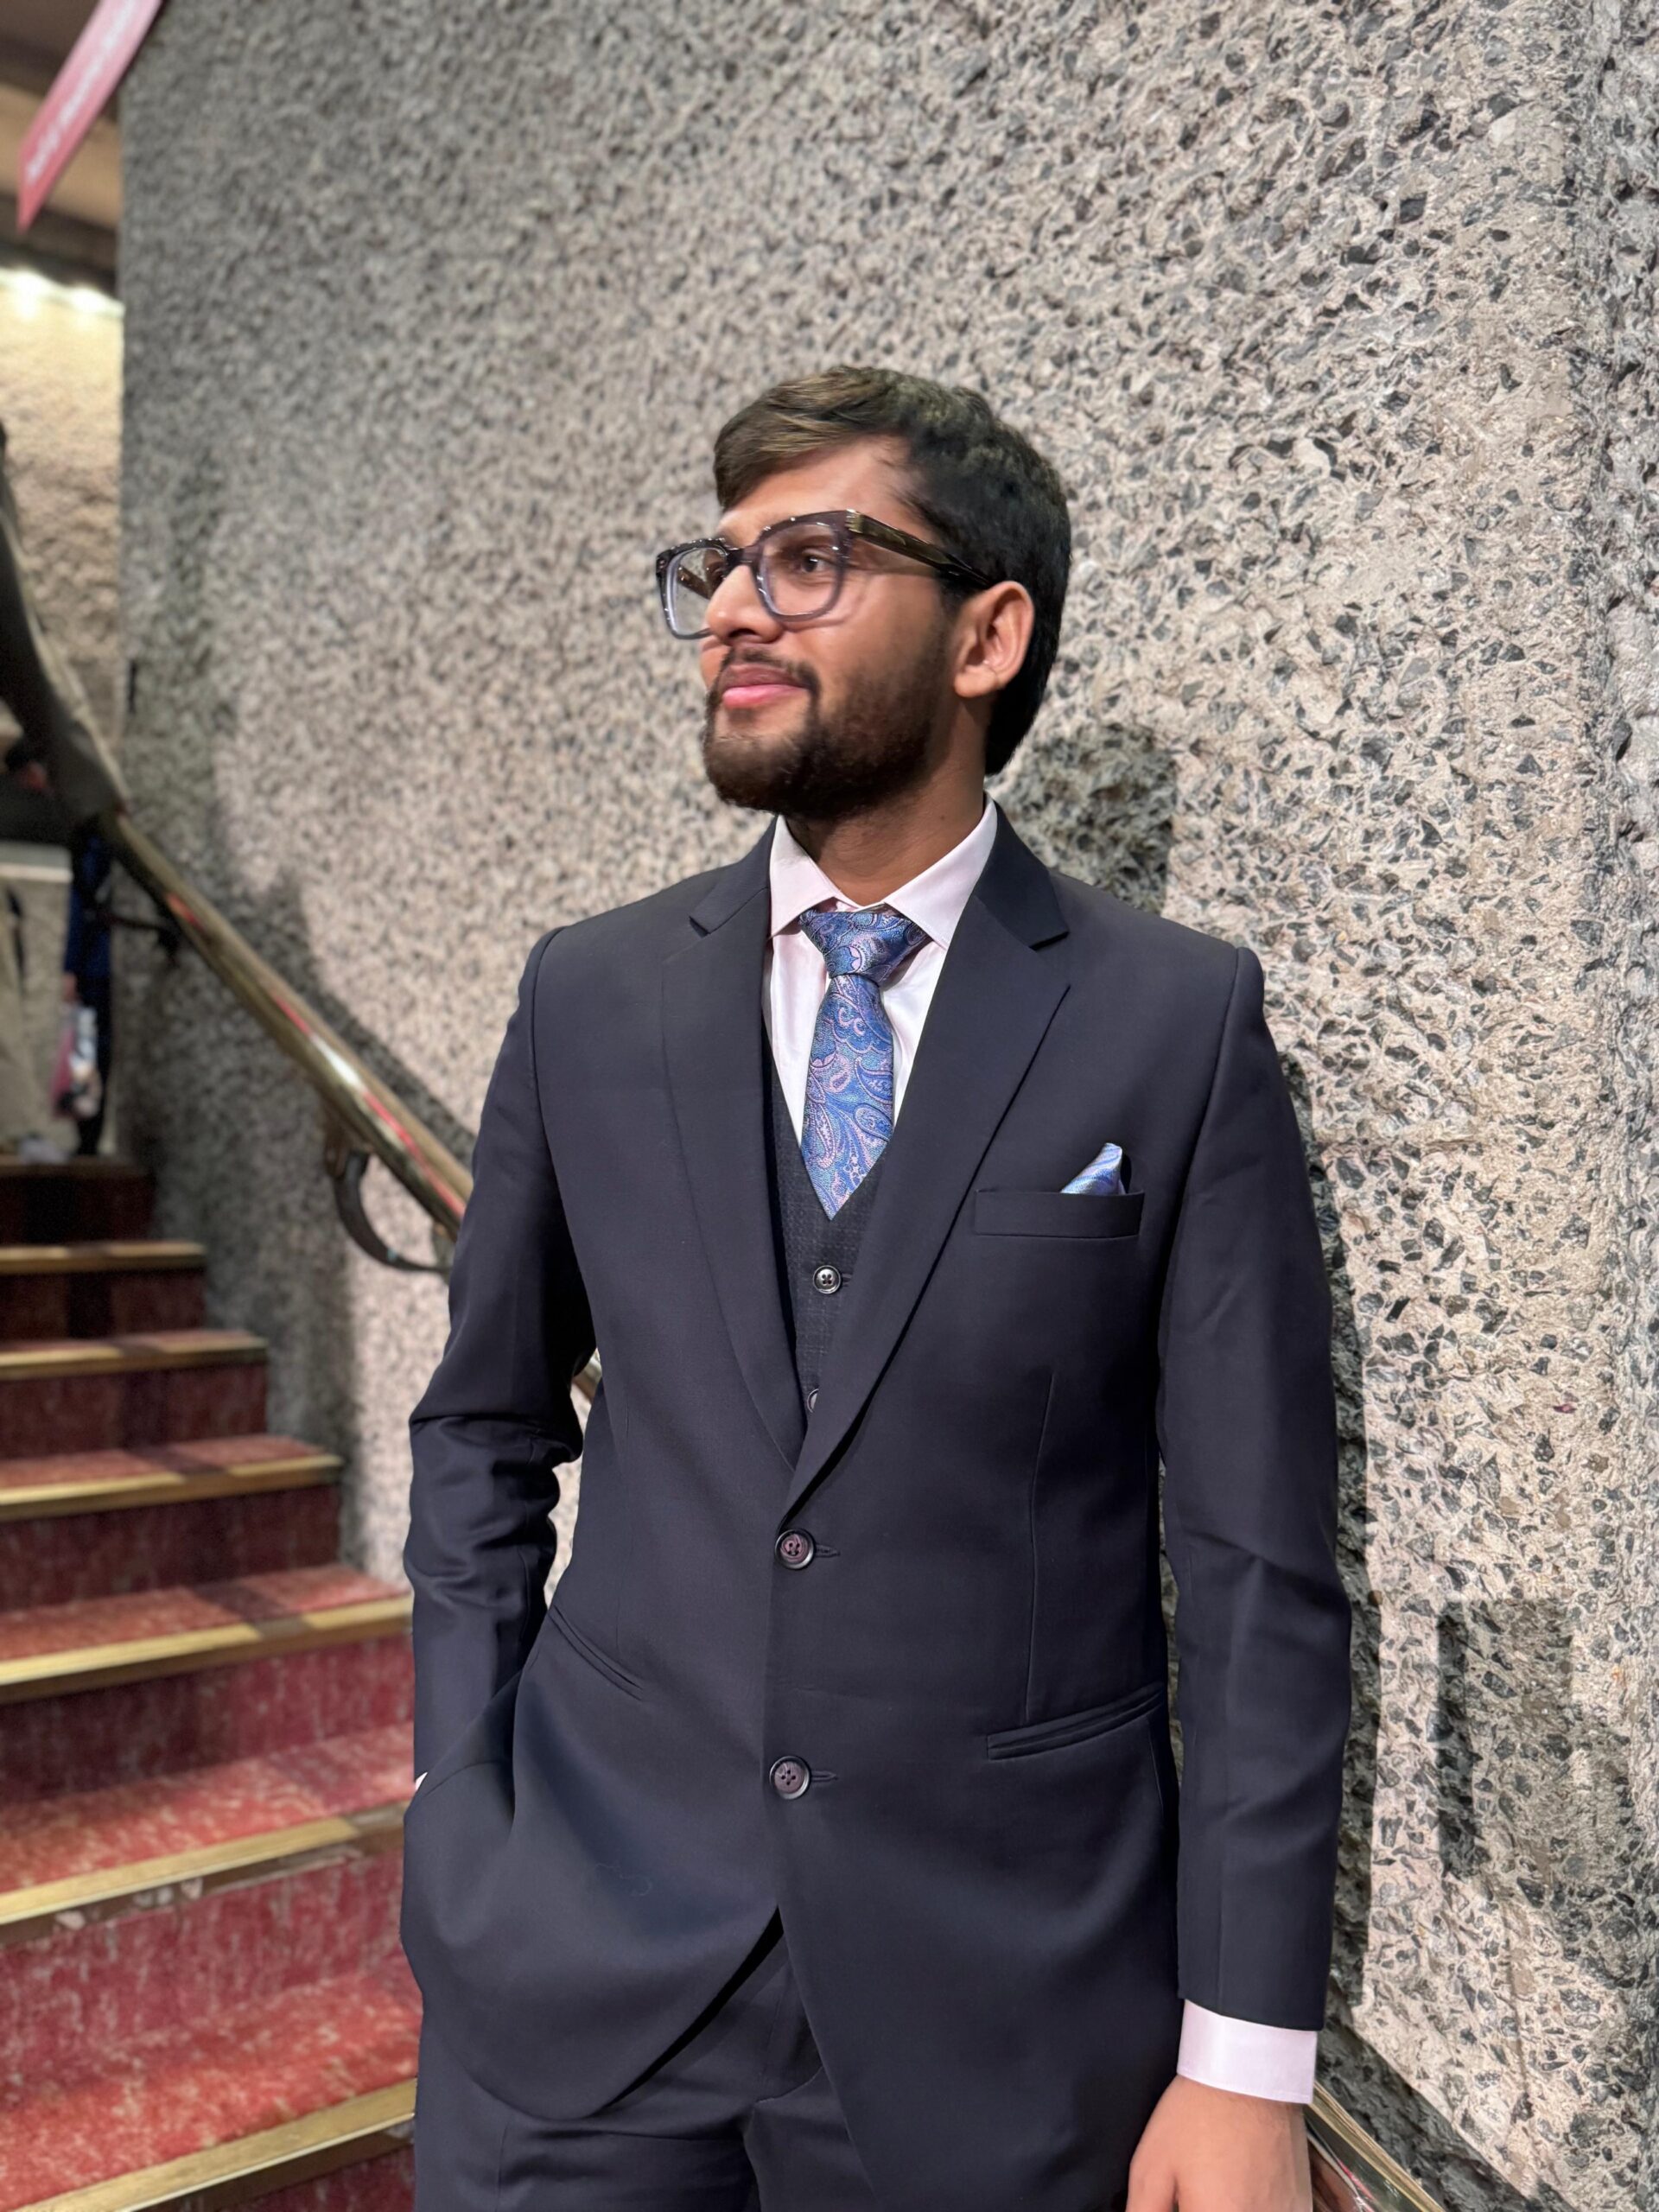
[(1058, 1213)]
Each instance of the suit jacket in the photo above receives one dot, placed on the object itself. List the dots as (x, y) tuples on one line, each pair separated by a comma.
[(993, 1894)]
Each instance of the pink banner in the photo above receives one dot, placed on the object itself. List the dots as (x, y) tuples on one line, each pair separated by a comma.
[(97, 63)]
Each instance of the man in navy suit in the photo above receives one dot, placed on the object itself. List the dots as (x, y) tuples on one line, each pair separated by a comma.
[(821, 1846)]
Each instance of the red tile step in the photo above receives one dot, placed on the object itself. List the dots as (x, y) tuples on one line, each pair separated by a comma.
[(206, 1753), (87, 1394), (174, 1723), (100, 1287), (81, 1524), (54, 1202), (103, 1690), (279, 2061), (71, 1995), (47, 1651), (85, 1849)]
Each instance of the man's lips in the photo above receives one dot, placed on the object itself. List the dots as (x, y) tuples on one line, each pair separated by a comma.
[(755, 689)]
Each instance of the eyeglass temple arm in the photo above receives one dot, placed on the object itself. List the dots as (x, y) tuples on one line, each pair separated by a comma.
[(883, 533)]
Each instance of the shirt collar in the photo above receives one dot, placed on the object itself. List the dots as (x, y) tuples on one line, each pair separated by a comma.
[(934, 900)]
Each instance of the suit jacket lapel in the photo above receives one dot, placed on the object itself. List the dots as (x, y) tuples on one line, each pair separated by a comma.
[(994, 1000), (715, 1043)]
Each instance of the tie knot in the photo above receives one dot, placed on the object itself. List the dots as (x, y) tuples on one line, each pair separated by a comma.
[(870, 942)]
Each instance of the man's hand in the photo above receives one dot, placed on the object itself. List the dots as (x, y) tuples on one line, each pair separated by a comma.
[(1216, 2150)]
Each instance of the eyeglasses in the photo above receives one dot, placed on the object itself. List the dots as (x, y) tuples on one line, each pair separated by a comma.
[(799, 564)]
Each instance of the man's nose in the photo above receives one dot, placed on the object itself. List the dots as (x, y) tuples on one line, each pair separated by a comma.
[(737, 604)]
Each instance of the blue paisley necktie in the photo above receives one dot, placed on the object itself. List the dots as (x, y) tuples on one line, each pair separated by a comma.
[(847, 1116)]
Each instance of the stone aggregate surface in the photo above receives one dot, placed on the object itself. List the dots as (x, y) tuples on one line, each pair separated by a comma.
[(1338, 325)]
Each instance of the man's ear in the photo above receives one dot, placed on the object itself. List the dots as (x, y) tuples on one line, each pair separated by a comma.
[(996, 640)]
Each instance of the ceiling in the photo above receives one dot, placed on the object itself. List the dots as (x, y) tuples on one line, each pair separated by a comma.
[(77, 227)]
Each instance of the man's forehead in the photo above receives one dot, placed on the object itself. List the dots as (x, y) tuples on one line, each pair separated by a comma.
[(866, 480)]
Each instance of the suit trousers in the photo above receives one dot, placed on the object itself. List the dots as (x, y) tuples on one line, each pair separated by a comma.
[(737, 2115)]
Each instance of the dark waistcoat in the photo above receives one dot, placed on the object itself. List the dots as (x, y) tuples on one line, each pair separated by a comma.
[(816, 1253)]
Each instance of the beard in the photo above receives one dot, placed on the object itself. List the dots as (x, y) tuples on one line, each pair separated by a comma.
[(879, 742)]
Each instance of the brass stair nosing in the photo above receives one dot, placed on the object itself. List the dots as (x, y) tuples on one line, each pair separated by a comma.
[(167, 1486), (95, 1666), (130, 1355), (97, 1256), (241, 2171), (102, 1893)]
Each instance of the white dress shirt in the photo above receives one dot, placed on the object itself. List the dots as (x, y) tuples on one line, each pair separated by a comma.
[(1247, 2055)]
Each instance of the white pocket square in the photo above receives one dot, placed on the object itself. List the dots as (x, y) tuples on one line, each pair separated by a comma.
[(1102, 1175)]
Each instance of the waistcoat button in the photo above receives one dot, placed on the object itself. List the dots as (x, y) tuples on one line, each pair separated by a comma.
[(826, 1278), (795, 1548), (790, 1776)]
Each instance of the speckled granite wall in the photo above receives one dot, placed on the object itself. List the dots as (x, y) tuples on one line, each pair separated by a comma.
[(1338, 325)]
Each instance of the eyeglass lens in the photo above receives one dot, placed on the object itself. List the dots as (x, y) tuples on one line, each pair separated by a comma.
[(801, 567)]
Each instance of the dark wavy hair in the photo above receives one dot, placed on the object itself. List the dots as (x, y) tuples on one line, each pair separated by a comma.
[(985, 492)]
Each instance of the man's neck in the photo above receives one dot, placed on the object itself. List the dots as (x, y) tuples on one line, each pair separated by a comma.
[(868, 855)]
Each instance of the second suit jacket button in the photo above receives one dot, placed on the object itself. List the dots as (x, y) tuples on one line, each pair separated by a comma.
[(790, 1777)]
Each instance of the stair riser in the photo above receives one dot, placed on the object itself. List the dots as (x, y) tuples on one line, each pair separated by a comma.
[(67, 1210), (94, 1304), (91, 1413), (87, 1739), (50, 1559), (383, 2185), (69, 1999)]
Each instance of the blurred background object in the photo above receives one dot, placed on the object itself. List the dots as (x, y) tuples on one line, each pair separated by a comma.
[(77, 229), (61, 696)]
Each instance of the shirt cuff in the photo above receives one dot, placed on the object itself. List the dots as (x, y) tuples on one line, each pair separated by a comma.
[(419, 1779), (1247, 2056)]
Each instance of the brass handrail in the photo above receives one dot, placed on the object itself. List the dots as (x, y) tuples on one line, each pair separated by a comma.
[(1351, 2171), (424, 1165), (367, 1116)]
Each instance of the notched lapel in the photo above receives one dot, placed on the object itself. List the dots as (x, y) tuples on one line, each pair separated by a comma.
[(714, 1042), (994, 999)]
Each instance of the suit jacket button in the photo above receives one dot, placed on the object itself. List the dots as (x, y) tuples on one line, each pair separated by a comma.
[(795, 1548), (790, 1776), (811, 1400), (826, 1278)]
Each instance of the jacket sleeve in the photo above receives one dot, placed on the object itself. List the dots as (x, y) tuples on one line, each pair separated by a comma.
[(1246, 1422), (496, 1418)]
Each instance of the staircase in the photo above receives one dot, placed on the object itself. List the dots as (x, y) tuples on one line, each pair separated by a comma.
[(205, 1752)]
